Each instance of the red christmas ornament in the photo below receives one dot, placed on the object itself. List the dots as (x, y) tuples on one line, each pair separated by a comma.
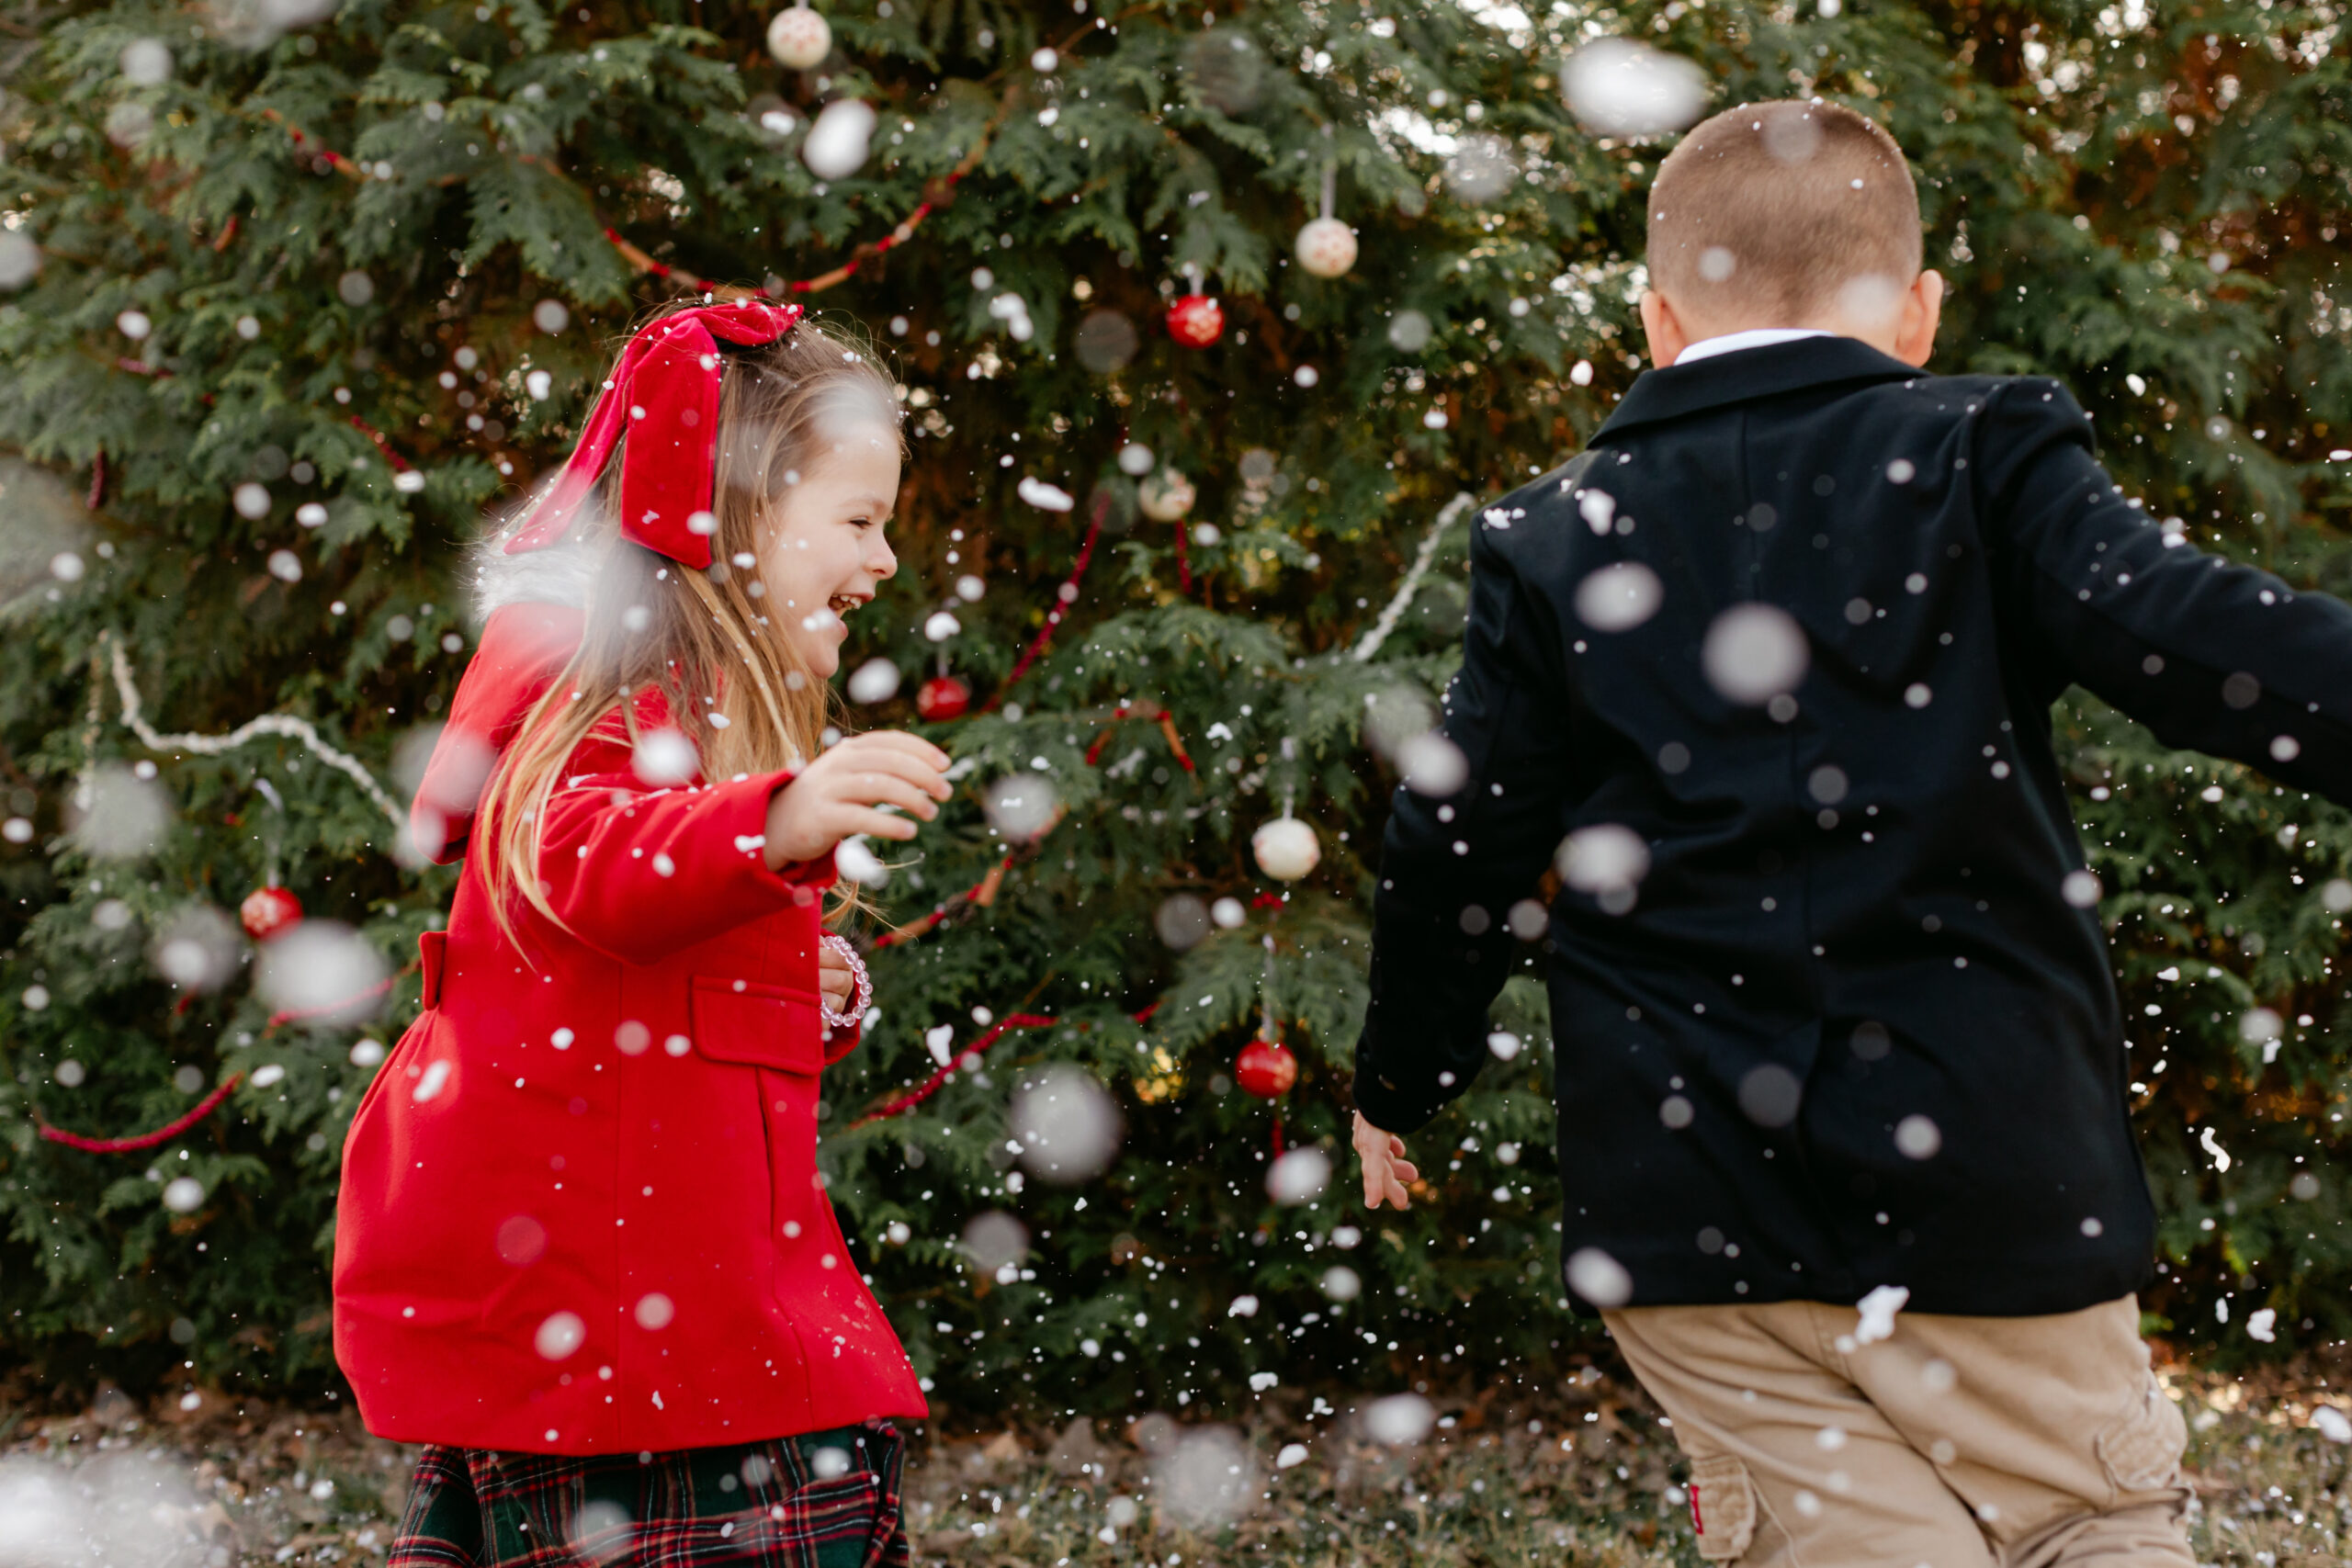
[(1266, 1069), (267, 911), (1195, 322), (942, 697)]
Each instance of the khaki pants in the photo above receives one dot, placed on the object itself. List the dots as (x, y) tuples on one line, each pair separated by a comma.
[(1960, 1442)]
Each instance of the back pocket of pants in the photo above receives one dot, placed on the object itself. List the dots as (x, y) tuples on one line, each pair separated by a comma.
[(2142, 1448), (1723, 1508)]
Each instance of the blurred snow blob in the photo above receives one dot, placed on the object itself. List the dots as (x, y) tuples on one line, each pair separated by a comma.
[(183, 1194), (994, 1239), (1598, 1278), (1067, 1123), (355, 289), (323, 971), (1022, 806), (876, 681), (121, 1508), (837, 143), (1106, 341), (1209, 1480), (1045, 497), (1753, 653), (1769, 1095), (19, 259), (940, 627), (854, 858), (1619, 597), (146, 63), (551, 316), (1607, 859), (1181, 921), (1399, 1419), (1299, 1176), (1917, 1137), (2326, 1420), (1408, 331), (1342, 1283), (1481, 169), (654, 1309), (197, 948), (1620, 88), (1135, 459), (1433, 765), (118, 815), (2258, 1026), (2081, 889), (664, 757), (1228, 913), (559, 1335)]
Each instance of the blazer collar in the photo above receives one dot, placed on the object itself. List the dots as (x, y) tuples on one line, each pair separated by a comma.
[(1750, 373)]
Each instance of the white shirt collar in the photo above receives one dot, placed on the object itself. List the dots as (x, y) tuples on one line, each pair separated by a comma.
[(1755, 337)]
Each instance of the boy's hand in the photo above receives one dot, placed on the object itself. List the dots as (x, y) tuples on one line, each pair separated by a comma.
[(1386, 1171), (842, 792), (833, 977)]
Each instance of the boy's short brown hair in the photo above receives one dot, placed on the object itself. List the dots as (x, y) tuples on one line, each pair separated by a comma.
[(1767, 211)]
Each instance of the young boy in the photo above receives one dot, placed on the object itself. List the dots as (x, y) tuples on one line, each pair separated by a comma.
[(1770, 666)]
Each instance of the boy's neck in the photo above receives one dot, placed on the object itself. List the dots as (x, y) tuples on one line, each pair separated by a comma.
[(1904, 329)]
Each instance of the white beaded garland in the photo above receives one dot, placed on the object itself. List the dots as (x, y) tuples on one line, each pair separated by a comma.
[(1167, 496), (799, 37), (1327, 248), (1285, 848)]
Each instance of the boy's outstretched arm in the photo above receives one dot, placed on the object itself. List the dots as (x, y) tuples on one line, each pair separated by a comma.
[(2209, 654), (1451, 866)]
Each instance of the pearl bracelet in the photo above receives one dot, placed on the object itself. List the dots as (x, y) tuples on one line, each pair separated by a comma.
[(865, 984)]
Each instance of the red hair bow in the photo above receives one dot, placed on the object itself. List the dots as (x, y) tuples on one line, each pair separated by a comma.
[(664, 396)]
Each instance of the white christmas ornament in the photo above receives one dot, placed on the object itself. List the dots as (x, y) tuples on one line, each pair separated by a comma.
[(1167, 496), (799, 37), (1327, 248), (1285, 848)]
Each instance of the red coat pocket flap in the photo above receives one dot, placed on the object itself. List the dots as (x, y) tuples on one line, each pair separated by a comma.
[(758, 1025)]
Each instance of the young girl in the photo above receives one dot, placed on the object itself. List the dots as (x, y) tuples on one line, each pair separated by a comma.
[(583, 1249)]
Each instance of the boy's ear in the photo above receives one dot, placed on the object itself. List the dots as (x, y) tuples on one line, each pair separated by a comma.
[(1923, 307), (1665, 331)]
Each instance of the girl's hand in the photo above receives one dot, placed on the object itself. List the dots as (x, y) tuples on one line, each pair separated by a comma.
[(1386, 1171), (841, 792), (834, 978)]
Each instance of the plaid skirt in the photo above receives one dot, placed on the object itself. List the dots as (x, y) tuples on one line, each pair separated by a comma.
[(825, 1500)]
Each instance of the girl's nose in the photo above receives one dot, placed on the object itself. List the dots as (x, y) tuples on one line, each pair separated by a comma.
[(880, 562)]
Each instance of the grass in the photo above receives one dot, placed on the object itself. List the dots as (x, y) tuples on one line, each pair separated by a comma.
[(1587, 1475)]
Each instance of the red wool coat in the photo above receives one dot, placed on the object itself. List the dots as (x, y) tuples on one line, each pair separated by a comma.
[(580, 1212)]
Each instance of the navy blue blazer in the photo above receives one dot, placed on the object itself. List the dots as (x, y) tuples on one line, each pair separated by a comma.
[(1769, 668)]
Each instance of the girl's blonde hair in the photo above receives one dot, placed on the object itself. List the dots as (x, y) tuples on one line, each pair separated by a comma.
[(735, 686)]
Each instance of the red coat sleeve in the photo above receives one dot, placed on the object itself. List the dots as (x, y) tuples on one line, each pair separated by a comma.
[(639, 874)]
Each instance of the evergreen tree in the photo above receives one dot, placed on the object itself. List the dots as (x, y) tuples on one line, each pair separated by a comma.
[(293, 298)]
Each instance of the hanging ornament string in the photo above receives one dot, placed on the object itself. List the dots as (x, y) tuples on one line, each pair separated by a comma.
[(969, 1058), (163, 1134), (1064, 597), (1402, 599), (279, 724)]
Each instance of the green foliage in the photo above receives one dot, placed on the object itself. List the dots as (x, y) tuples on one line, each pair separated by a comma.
[(2145, 202)]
